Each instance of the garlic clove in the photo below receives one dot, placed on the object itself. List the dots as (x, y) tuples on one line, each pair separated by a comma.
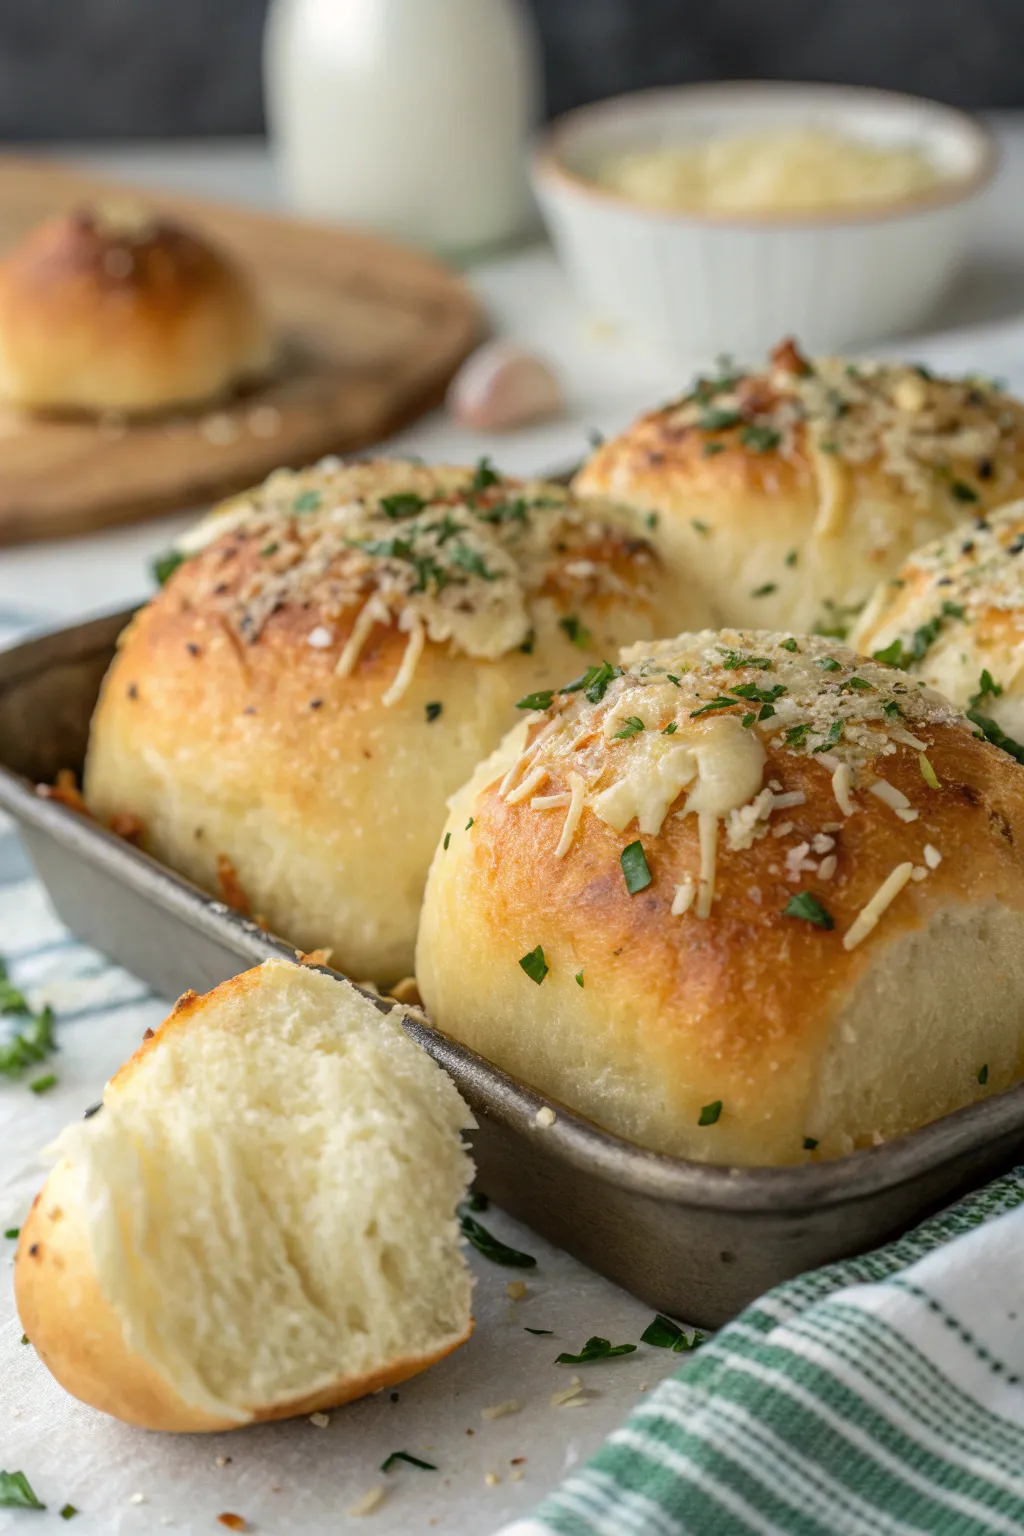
[(500, 386)]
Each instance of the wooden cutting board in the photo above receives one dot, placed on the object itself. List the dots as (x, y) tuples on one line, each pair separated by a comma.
[(371, 334)]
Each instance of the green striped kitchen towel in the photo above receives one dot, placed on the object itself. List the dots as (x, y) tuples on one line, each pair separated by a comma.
[(882, 1396)]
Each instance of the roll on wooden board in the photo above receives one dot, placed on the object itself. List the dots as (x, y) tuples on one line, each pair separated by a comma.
[(745, 898), (787, 494)]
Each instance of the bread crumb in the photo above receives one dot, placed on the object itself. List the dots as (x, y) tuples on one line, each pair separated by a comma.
[(544, 1116), (233, 1522), (517, 1461), (499, 1410), (515, 1475), (222, 1461), (559, 1399), (264, 421), (372, 1499), (137, 1498), (219, 429), (492, 1479), (320, 638), (516, 1289), (321, 1420)]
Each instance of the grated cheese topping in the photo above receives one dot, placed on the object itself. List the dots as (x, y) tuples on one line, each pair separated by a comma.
[(446, 555)]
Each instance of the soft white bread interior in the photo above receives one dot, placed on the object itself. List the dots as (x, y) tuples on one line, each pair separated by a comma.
[(260, 1220), (749, 899), (287, 718), (953, 615), (787, 494), (113, 309)]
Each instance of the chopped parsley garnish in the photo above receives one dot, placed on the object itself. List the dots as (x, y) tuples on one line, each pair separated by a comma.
[(535, 965), (402, 504), (635, 870), (810, 1143), (651, 520), (928, 773), (759, 695), (539, 700), (991, 732), (710, 1113), (890, 655), (860, 683), (446, 529), (541, 1332), (433, 710), (962, 491), (714, 419), (469, 823), (765, 591), (630, 727), (749, 718), (595, 1349), (733, 660), (505, 511), (307, 502), (578, 633), (721, 701), (490, 1246), (269, 549), (165, 565), (987, 688), (892, 709), (68, 1512), (983, 1074), (528, 643), (835, 730), (16, 1492), (953, 610), (579, 978), (471, 560), (484, 476), (789, 644), (828, 664), (808, 907), (760, 439), (796, 733), (414, 1461), (33, 1042), (791, 557), (447, 840), (663, 1333), (671, 728), (673, 679), (695, 522), (12, 1232), (766, 711), (710, 449), (43, 1084), (594, 681), (476, 1200)]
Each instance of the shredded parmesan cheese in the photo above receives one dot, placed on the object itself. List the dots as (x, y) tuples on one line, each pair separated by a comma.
[(572, 816), (372, 1499), (372, 612), (535, 777), (550, 802), (404, 676), (682, 901), (932, 856), (889, 795), (707, 827), (501, 1410), (867, 918), (841, 785)]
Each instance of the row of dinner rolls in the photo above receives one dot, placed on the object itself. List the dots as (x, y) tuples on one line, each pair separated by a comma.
[(720, 893)]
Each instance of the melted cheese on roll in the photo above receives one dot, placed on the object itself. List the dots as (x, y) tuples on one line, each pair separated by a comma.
[(743, 897), (787, 495)]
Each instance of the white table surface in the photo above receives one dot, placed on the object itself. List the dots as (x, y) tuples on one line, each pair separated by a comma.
[(294, 1477)]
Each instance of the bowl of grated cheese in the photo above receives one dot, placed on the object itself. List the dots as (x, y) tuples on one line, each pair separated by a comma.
[(710, 218)]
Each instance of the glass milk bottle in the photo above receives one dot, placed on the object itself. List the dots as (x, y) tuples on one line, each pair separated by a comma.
[(409, 117)]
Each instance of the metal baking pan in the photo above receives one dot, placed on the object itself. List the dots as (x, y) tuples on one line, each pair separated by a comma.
[(695, 1241)]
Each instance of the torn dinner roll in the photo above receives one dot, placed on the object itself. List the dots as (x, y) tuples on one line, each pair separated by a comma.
[(115, 309), (260, 1220), (787, 494), (336, 652), (650, 955)]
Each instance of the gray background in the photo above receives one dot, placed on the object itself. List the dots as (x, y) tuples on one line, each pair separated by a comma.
[(108, 69)]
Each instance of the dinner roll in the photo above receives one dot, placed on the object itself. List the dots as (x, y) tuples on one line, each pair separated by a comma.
[(788, 494), (288, 716), (954, 616), (746, 899), (114, 309), (260, 1220)]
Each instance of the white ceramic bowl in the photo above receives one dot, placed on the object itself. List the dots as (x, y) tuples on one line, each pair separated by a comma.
[(696, 284)]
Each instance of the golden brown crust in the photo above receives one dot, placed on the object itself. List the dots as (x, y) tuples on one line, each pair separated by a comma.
[(786, 495), (133, 314), (677, 1011), (79, 1338), (226, 727)]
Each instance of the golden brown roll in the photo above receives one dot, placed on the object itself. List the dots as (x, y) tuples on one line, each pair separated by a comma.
[(953, 616), (259, 1219), (787, 495), (288, 716), (114, 309), (749, 899)]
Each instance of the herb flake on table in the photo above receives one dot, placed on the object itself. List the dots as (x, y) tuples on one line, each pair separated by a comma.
[(595, 1349), (68, 1512), (663, 1333), (43, 1084), (983, 1075), (490, 1246), (16, 1492), (807, 906), (635, 869), (993, 733), (548, 1332), (535, 965), (414, 1461)]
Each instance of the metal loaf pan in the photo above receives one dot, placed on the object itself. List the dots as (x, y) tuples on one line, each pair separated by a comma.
[(695, 1241)]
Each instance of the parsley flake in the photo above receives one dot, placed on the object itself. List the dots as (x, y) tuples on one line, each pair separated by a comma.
[(165, 565), (651, 520), (577, 633), (670, 729), (962, 491), (765, 591), (749, 718), (983, 1074), (309, 501), (635, 869), (796, 733), (402, 504), (828, 664), (710, 449), (469, 823), (16, 1492), (715, 419), (663, 1333), (414, 1461), (710, 1113), (539, 700), (808, 907), (43, 1084), (989, 730), (12, 1232), (835, 730), (594, 681), (791, 557), (810, 1143), (68, 1512), (733, 660), (595, 1349), (579, 978), (484, 476), (631, 727), (987, 688), (695, 522), (928, 773), (719, 702), (760, 439), (490, 1246), (759, 695), (535, 965), (447, 840), (789, 644), (433, 710), (541, 1332), (890, 655)]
